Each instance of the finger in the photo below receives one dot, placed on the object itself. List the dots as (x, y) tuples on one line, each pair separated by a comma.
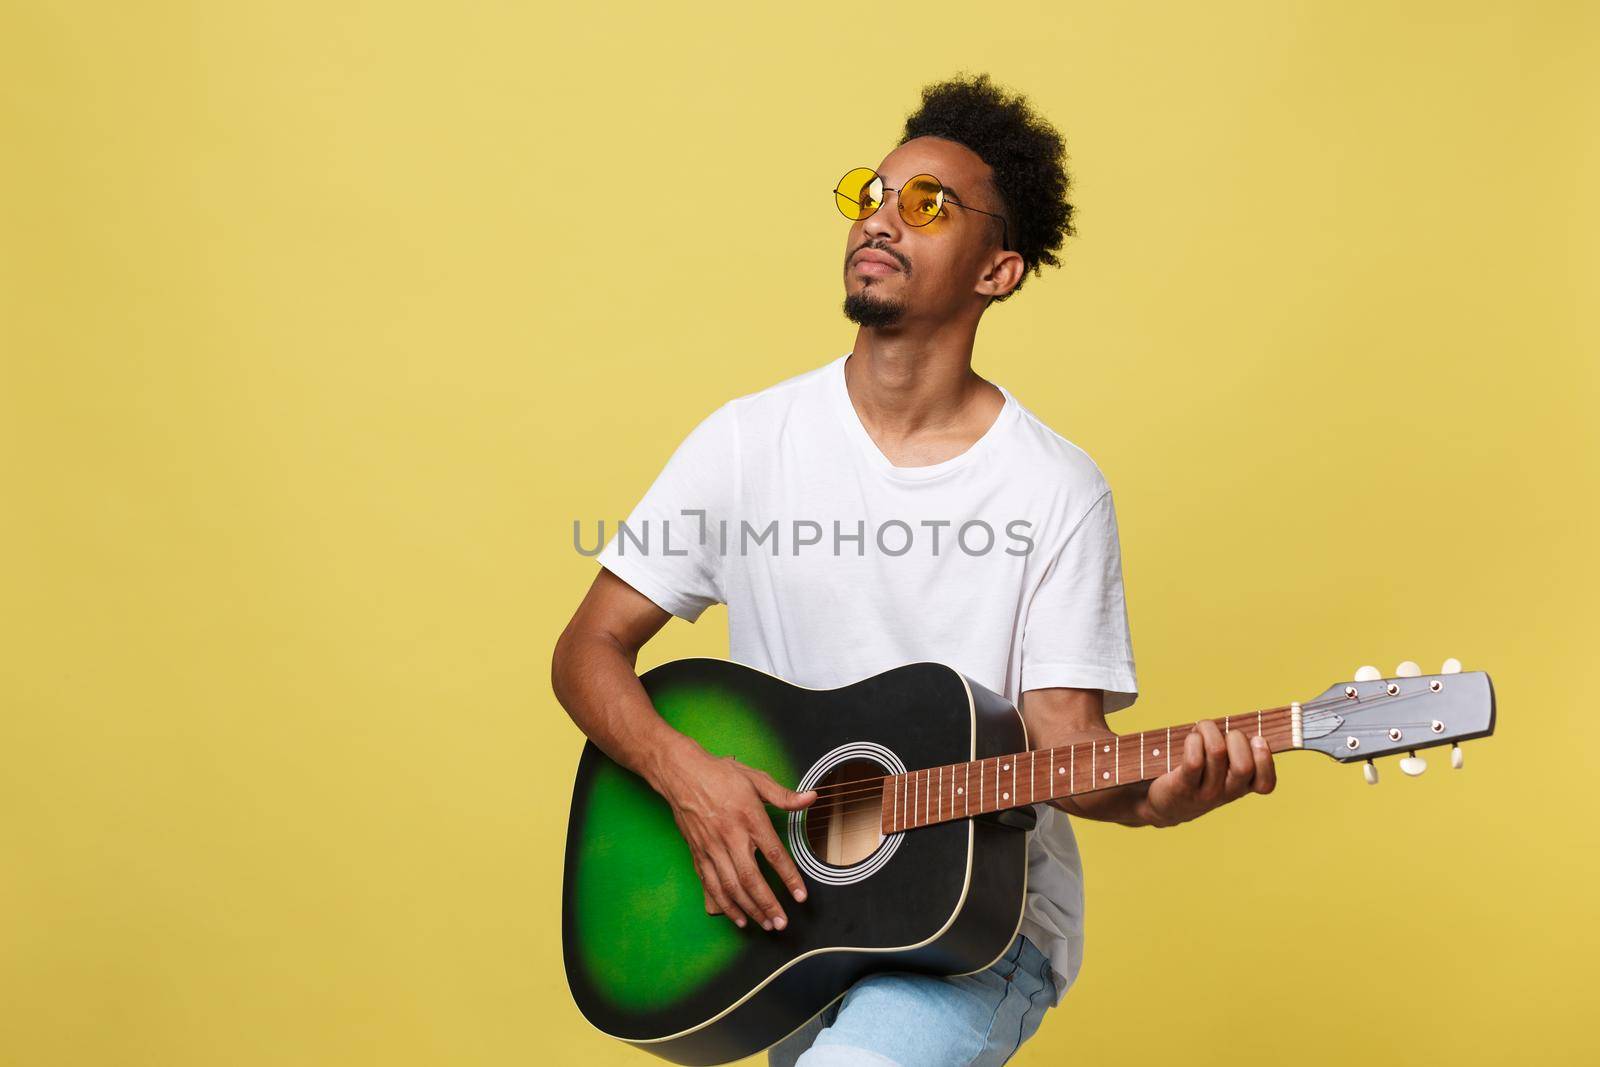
[(1182, 781), (778, 857), (1241, 765), (1216, 758), (1266, 772), (705, 889), (1194, 760), (778, 796), (1178, 786), (712, 883), (760, 892), (733, 887)]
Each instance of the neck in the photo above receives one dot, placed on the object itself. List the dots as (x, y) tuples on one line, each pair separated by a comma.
[(962, 790), (904, 384)]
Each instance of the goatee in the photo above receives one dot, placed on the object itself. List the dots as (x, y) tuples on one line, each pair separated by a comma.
[(865, 310)]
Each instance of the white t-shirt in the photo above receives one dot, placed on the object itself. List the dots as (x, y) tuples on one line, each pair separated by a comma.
[(1002, 562)]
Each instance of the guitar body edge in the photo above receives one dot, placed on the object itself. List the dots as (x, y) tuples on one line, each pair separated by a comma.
[(968, 944)]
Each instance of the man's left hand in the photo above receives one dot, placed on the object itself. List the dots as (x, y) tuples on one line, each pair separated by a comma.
[(1216, 768)]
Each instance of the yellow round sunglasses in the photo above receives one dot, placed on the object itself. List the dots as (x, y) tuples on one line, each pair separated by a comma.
[(922, 199)]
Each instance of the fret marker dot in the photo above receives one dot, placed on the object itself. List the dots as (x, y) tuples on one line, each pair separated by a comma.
[(1005, 766), (1005, 796), (1155, 752), (1061, 770), (1106, 749), (958, 790), (1105, 774)]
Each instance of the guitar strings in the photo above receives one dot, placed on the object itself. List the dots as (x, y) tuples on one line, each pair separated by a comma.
[(928, 790), (933, 797), (921, 797), (1312, 713), (850, 798)]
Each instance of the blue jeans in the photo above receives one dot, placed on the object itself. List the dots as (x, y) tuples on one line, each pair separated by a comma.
[(911, 1020)]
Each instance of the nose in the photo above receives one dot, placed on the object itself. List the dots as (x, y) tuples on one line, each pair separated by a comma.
[(885, 222)]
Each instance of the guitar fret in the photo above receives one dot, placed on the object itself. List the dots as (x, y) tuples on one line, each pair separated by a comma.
[(923, 797)]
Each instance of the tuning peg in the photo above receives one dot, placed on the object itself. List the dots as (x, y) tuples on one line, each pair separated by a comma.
[(1455, 756), (1368, 674), (1413, 765), (1451, 666), (1369, 771), (1407, 669)]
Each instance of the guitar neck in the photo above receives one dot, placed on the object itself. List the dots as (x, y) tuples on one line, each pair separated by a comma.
[(962, 790)]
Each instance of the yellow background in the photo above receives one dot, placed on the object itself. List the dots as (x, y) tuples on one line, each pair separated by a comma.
[(321, 323)]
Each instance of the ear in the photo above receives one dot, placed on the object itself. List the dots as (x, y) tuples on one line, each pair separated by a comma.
[(1003, 274)]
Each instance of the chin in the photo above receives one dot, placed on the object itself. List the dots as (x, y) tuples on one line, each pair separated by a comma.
[(864, 309)]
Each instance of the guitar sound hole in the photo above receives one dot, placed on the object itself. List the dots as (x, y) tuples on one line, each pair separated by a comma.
[(843, 826)]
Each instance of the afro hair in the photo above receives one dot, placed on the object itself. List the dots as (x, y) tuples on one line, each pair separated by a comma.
[(1026, 154)]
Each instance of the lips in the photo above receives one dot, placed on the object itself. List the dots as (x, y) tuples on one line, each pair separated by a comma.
[(871, 261)]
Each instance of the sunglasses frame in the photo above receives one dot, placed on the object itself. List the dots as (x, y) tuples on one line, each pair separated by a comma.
[(1005, 229)]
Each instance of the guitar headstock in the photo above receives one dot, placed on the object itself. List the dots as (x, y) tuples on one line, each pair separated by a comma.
[(1372, 715)]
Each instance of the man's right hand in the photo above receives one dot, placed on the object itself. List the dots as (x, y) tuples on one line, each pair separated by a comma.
[(718, 804)]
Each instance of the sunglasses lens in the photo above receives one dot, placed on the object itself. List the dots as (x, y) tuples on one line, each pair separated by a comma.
[(921, 199), (859, 193)]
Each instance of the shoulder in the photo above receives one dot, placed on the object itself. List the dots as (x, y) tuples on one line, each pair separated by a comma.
[(785, 395), (1052, 458), (767, 410)]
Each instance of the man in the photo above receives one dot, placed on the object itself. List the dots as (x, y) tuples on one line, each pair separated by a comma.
[(868, 485)]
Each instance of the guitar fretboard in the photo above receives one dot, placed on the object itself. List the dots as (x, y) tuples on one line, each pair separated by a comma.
[(962, 790)]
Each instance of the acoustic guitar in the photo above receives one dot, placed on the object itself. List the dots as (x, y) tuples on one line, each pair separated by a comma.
[(914, 853)]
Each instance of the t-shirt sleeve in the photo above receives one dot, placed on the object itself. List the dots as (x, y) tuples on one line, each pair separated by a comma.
[(1076, 631), (667, 546)]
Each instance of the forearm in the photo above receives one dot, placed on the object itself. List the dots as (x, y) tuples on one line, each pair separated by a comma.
[(594, 679), (1065, 716), (1126, 805)]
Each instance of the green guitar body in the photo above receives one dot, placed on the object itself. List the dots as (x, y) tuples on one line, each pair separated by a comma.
[(648, 966)]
